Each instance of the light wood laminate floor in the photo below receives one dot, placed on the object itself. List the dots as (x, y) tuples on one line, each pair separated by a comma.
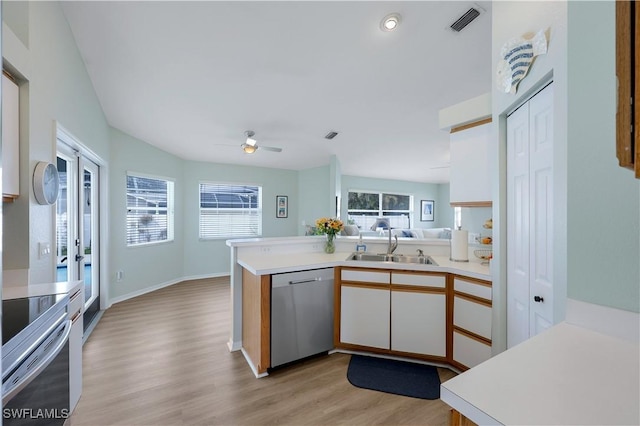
[(162, 359)]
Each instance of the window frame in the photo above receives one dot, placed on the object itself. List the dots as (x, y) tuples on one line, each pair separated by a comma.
[(170, 209), (381, 211), (259, 211)]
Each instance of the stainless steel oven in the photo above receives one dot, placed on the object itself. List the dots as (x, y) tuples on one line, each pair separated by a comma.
[(35, 360)]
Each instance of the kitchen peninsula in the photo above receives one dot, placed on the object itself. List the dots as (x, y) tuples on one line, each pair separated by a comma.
[(253, 261)]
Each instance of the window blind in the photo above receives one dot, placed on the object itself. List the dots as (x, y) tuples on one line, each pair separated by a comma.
[(149, 210), (230, 210)]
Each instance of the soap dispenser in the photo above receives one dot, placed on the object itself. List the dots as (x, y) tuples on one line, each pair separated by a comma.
[(360, 247)]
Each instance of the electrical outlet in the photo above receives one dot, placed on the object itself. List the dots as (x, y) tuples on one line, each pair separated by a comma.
[(265, 249), (119, 276)]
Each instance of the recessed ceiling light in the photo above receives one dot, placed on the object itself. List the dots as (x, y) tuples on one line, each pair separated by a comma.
[(390, 22)]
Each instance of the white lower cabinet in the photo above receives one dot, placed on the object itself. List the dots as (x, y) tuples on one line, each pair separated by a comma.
[(406, 313), (471, 321), (76, 308), (364, 316), (418, 322), (469, 351)]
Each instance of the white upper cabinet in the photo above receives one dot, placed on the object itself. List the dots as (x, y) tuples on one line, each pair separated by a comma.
[(10, 140), (470, 176)]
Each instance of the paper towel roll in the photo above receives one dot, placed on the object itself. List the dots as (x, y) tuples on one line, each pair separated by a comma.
[(459, 245)]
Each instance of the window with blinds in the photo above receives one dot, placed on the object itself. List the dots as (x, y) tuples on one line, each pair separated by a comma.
[(230, 210), (364, 208), (149, 210)]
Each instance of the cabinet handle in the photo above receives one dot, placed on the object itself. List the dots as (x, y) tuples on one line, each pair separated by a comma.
[(538, 299)]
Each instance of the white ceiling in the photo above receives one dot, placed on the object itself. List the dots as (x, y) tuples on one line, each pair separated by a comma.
[(191, 77)]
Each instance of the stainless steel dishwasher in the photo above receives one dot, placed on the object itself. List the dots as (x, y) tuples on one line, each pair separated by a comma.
[(301, 314)]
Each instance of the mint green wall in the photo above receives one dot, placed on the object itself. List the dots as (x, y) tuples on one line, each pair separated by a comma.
[(54, 86), (313, 195), (211, 257), (444, 211), (420, 191), (151, 265), (603, 202)]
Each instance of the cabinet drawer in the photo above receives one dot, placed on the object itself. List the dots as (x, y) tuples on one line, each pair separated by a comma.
[(469, 352), (422, 280), (471, 288), (471, 316), (382, 277)]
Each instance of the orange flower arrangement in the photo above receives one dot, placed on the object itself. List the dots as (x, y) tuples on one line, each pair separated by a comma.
[(329, 226)]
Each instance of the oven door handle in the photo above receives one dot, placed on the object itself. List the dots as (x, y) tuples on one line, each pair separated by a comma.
[(42, 364)]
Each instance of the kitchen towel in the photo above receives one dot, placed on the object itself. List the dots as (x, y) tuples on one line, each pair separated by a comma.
[(459, 245)]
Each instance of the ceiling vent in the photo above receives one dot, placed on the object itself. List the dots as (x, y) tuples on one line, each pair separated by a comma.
[(465, 19), (331, 135)]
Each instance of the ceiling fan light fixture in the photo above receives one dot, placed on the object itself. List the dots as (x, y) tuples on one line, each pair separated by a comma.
[(390, 22), (249, 149)]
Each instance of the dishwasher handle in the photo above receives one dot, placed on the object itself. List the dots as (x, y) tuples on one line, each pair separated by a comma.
[(309, 280)]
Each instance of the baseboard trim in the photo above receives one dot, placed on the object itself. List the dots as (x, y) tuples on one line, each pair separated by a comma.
[(253, 367), (604, 319), (234, 346), (163, 285)]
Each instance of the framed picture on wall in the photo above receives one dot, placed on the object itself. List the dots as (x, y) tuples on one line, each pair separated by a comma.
[(427, 213), (282, 206)]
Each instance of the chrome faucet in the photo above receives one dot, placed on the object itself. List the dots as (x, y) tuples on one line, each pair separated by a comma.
[(392, 246), (420, 253)]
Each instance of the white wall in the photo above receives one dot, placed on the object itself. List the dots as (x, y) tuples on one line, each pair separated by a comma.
[(513, 20), (55, 86)]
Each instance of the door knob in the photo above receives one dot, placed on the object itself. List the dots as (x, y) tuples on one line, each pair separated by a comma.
[(538, 299)]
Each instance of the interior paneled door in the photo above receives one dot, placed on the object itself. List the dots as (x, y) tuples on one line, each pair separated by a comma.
[(77, 226), (530, 218)]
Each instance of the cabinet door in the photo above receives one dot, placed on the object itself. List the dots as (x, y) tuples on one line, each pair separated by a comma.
[(10, 138), (364, 316), (470, 175), (418, 322)]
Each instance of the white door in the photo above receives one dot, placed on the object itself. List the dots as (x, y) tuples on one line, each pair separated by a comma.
[(529, 218), (77, 225), (541, 219), (518, 226)]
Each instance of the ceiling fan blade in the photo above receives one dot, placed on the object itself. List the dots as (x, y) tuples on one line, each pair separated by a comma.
[(271, 148)]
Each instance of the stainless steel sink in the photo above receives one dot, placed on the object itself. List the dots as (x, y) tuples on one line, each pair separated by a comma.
[(423, 260), (370, 257), (399, 258)]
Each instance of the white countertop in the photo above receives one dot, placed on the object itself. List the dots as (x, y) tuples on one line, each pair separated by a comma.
[(266, 264), (17, 292), (567, 375)]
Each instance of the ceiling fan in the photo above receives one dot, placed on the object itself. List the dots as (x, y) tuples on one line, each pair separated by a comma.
[(251, 145)]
